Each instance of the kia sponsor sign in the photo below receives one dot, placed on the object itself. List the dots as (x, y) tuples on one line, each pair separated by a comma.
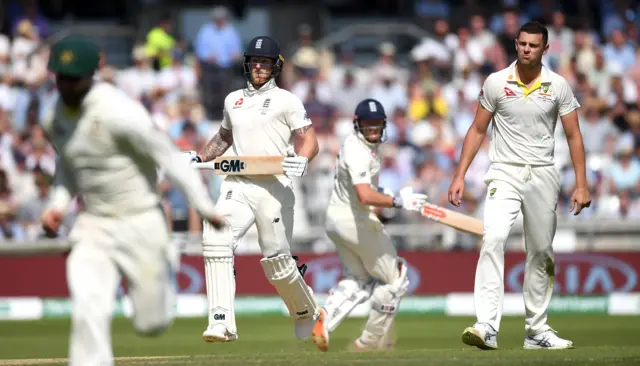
[(430, 273)]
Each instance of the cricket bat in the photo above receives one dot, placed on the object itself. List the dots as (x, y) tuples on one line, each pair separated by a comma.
[(244, 165), (453, 219)]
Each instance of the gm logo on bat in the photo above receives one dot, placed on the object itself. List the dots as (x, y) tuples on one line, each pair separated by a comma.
[(230, 166)]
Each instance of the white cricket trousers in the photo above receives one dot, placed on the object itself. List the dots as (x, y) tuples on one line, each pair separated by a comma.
[(363, 244), (104, 249), (242, 202), (512, 188)]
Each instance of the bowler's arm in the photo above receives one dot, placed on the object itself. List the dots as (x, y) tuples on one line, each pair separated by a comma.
[(306, 142), (571, 128), (473, 140), (136, 132)]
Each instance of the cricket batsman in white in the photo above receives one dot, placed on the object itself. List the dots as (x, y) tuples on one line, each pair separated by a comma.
[(372, 268), (109, 153), (259, 120), (524, 100)]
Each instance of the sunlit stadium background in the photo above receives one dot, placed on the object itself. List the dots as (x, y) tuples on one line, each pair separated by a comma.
[(425, 60)]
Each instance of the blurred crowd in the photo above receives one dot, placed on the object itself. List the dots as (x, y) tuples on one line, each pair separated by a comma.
[(430, 103)]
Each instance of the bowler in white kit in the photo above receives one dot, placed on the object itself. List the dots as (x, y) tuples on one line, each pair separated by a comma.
[(524, 100), (259, 120), (109, 152), (372, 268)]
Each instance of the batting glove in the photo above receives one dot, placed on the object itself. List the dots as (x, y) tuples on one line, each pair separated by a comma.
[(410, 201), (294, 165)]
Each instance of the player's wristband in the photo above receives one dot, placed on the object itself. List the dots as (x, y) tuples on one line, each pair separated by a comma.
[(397, 202)]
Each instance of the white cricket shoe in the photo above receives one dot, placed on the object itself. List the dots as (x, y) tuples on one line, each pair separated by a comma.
[(359, 346), (546, 340), (218, 333), (320, 333), (481, 335)]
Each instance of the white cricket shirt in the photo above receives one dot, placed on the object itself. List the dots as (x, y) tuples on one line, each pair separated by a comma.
[(262, 121), (109, 151), (358, 162), (524, 120)]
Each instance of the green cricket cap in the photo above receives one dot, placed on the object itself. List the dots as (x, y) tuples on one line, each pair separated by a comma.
[(74, 56)]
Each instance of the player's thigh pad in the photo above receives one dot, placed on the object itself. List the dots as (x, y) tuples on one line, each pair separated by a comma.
[(238, 215), (146, 258), (273, 204), (367, 240), (284, 275), (344, 297)]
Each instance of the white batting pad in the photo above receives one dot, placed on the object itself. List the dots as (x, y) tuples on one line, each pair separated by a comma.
[(283, 274), (385, 302), (343, 298), (221, 290)]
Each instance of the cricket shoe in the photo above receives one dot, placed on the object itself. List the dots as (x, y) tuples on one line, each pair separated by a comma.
[(218, 333), (546, 340), (320, 333), (481, 335), (359, 346)]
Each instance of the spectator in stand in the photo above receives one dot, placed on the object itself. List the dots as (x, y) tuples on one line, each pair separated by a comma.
[(30, 212), (10, 228), (618, 50), (31, 13), (140, 80), (217, 48), (160, 43)]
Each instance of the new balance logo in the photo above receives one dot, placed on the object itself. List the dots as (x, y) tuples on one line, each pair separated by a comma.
[(266, 103), (228, 197), (259, 44)]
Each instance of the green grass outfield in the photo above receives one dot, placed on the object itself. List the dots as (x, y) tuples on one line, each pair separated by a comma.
[(269, 340)]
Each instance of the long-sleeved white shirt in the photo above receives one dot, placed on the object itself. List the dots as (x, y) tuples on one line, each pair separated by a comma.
[(109, 152)]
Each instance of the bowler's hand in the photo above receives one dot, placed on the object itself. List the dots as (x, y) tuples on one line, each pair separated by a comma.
[(51, 221), (580, 199), (456, 190)]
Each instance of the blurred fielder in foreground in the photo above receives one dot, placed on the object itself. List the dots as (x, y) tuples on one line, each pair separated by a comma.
[(372, 268), (524, 101), (259, 120), (109, 153)]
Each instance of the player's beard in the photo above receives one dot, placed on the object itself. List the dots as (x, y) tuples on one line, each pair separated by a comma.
[(260, 77)]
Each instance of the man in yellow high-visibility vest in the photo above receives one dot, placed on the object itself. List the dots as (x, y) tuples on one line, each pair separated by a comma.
[(160, 43)]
